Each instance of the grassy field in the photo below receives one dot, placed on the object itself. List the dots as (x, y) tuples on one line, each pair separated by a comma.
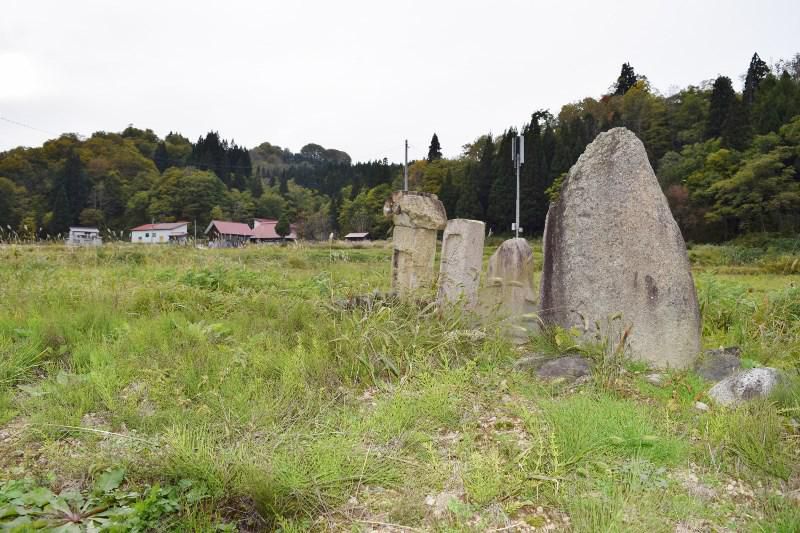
[(180, 389)]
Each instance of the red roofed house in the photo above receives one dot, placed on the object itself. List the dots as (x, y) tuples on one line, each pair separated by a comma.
[(162, 232), (223, 234), (264, 231)]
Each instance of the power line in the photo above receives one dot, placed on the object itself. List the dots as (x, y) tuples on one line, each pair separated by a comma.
[(16, 123)]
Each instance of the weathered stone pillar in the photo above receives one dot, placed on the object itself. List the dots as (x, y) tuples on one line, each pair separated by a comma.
[(509, 281), (416, 217), (462, 261), (611, 248)]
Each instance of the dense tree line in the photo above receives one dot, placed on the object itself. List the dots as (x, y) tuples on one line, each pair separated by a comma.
[(728, 162)]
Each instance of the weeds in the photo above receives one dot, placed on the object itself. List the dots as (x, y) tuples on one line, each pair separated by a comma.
[(751, 436), (106, 507), (234, 389)]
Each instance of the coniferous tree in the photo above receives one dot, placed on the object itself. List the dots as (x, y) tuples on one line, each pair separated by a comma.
[(284, 184), (336, 207), (256, 186), (502, 197), (626, 80), (736, 131), (468, 204), (283, 228), (161, 157), (484, 174), (62, 217), (778, 100), (448, 193), (722, 100), (756, 73), (435, 149), (535, 175), (76, 184)]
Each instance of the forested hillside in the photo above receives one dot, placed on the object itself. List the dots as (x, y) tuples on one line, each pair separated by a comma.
[(728, 162)]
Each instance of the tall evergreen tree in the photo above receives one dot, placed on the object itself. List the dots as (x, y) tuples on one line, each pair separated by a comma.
[(535, 175), (778, 100), (722, 101), (468, 204), (161, 157), (448, 193), (284, 184), (61, 215), (626, 80), (736, 132), (502, 196), (283, 228), (336, 208), (484, 173), (256, 186), (435, 149), (756, 73), (76, 184)]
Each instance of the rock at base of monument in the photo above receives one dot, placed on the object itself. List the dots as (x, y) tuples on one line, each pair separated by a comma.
[(531, 361), (548, 368), (655, 378), (716, 365), (746, 385)]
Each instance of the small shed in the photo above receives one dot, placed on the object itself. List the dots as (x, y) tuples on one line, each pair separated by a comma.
[(80, 236), (223, 234), (356, 237)]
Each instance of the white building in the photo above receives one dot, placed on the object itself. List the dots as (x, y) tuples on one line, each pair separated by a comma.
[(163, 232), (84, 236)]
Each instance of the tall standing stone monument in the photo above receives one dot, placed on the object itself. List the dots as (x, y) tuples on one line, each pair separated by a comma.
[(611, 246), (416, 216), (462, 261)]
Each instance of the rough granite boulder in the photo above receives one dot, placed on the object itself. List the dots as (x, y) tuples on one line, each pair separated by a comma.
[(612, 247), (746, 385)]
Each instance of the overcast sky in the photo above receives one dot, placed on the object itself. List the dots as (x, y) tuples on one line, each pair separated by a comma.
[(358, 75)]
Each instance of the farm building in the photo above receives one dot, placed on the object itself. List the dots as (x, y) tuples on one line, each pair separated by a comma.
[(222, 234), (174, 232), (84, 237), (264, 231), (356, 237)]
